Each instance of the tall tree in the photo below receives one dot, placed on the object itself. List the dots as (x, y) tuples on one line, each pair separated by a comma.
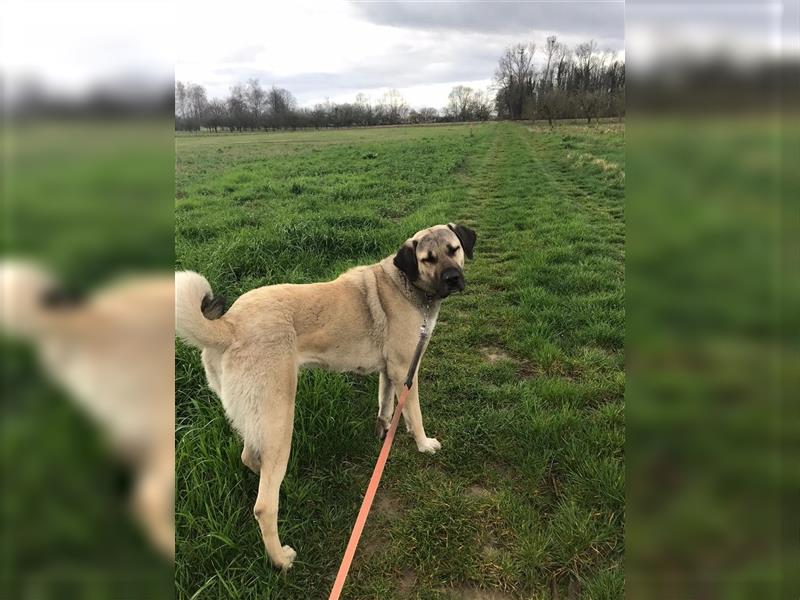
[(394, 107), (515, 78), (256, 98), (281, 105), (180, 100), (460, 103), (550, 50), (238, 117), (216, 115)]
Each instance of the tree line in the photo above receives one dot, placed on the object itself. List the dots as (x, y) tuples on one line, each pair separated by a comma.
[(570, 84), (567, 83), (251, 107)]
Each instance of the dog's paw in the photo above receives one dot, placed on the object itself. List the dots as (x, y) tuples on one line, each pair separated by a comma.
[(381, 427), (288, 559), (430, 445)]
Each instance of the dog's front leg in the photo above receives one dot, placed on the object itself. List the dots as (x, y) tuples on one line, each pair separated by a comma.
[(386, 395), (412, 413)]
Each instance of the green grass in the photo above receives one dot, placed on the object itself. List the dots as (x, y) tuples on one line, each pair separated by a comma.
[(713, 353), (523, 381)]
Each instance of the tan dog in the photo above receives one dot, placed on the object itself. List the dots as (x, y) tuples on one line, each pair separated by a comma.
[(367, 320), (114, 353)]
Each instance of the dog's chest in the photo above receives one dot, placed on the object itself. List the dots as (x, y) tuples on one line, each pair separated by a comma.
[(432, 322)]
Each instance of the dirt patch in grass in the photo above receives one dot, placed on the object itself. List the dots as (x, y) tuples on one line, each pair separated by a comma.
[(573, 591), (470, 593), (388, 506), (525, 368), (371, 544), (493, 355), (406, 584), (476, 491), (490, 553)]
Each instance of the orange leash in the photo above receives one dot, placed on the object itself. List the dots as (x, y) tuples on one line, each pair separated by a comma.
[(375, 480), (372, 488)]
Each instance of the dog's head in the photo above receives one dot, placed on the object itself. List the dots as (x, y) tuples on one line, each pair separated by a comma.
[(433, 259)]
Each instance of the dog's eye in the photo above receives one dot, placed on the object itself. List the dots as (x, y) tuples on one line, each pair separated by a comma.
[(430, 259), (451, 250)]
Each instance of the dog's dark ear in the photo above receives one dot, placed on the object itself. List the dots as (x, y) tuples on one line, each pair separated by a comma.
[(57, 298), (406, 261), (467, 237)]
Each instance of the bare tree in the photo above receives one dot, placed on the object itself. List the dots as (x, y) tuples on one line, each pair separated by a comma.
[(563, 59), (196, 103), (364, 109), (216, 115), (281, 101), (281, 104), (460, 103), (237, 109), (481, 105), (256, 99), (428, 115), (550, 50), (515, 78), (394, 107), (180, 100), (584, 54)]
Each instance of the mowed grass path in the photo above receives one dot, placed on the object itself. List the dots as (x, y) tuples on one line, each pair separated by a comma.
[(523, 381)]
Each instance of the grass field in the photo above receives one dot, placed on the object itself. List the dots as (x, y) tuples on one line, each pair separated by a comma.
[(523, 382)]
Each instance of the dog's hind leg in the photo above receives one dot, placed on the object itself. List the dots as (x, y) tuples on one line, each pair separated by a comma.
[(211, 363), (251, 459), (212, 359), (276, 441), (154, 500)]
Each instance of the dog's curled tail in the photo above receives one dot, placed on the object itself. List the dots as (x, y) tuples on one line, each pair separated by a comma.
[(197, 312)]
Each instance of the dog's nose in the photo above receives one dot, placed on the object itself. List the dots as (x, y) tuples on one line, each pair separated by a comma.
[(452, 278)]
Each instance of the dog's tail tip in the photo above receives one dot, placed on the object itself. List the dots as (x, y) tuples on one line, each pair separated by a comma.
[(212, 308), (198, 312)]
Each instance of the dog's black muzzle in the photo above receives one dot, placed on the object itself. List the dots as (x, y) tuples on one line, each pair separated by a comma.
[(452, 280)]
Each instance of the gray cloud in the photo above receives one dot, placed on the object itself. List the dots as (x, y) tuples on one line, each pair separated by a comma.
[(310, 86), (460, 42), (602, 20), (398, 67)]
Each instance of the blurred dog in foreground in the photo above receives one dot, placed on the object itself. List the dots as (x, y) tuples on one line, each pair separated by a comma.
[(365, 321), (114, 355)]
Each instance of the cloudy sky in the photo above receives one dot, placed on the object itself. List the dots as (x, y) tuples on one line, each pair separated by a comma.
[(336, 49)]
